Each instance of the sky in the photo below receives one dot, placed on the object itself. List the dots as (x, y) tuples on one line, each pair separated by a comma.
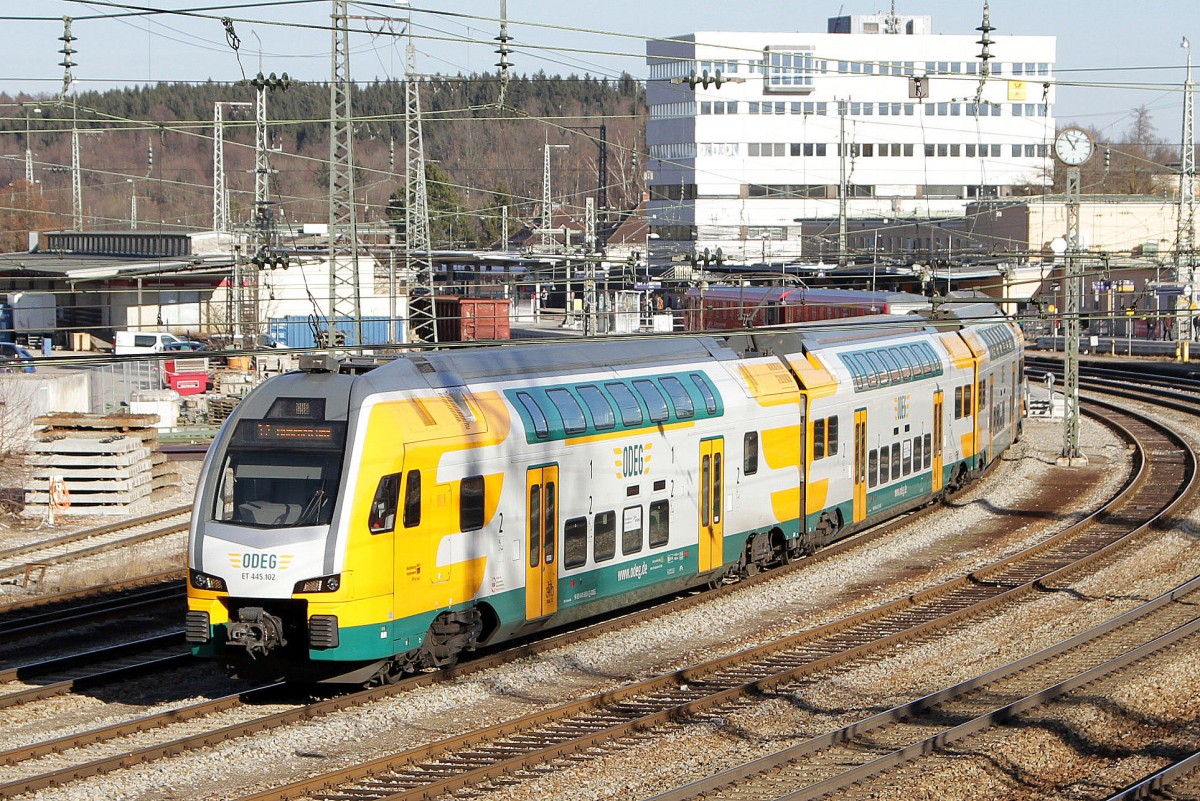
[(1113, 56)]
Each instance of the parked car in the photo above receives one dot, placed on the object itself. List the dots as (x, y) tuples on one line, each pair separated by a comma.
[(14, 357), (129, 342), (186, 345)]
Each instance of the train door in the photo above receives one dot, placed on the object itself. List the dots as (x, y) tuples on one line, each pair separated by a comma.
[(860, 464), (541, 566), (712, 504), (991, 417), (938, 403)]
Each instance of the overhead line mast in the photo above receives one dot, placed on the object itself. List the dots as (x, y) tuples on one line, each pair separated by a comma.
[(345, 301), (422, 308)]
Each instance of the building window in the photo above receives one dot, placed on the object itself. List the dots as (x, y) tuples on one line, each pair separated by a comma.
[(791, 70)]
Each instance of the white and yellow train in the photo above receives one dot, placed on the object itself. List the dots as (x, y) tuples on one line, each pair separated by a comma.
[(357, 524)]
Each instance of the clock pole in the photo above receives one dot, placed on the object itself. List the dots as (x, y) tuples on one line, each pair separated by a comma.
[(1071, 455)]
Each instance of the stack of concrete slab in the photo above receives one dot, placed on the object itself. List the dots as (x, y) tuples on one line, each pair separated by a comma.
[(109, 464)]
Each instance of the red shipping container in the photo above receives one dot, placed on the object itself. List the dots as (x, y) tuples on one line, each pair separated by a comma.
[(471, 319)]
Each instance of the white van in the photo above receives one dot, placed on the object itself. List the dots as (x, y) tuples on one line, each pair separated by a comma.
[(142, 342)]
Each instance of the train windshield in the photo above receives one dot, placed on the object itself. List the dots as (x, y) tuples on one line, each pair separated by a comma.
[(278, 488), (281, 473)]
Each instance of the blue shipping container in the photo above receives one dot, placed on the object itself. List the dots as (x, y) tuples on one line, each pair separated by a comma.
[(295, 331)]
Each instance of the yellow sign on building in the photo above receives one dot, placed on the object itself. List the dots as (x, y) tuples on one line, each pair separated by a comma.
[(1016, 90)]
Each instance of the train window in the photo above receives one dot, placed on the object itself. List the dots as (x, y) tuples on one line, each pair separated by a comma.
[(870, 377), (832, 429), (660, 523), (885, 463), (550, 522), (717, 491), (710, 400), (575, 543), (855, 369), (383, 507), (631, 530), (896, 461), (958, 403), (873, 468), (604, 545), (917, 458), (923, 358), (907, 454), (893, 366), (679, 396), (535, 525), (412, 499), (540, 427), (750, 453), (470, 504), (906, 364), (866, 372), (569, 410), (598, 405), (631, 410), (654, 399), (818, 439), (879, 367), (928, 450)]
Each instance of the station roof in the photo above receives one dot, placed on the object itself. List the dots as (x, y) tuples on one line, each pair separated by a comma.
[(98, 268)]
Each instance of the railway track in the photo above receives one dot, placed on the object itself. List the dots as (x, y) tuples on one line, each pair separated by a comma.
[(495, 755), (776, 666), (843, 760), (301, 712), (18, 562), (111, 663), (39, 620)]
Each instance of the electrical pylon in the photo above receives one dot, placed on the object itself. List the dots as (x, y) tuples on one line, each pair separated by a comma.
[(422, 309), (345, 300)]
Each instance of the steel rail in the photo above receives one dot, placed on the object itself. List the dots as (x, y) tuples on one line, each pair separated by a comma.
[(746, 777), (49, 546), (17, 604), (1158, 783), (42, 622), (100, 531)]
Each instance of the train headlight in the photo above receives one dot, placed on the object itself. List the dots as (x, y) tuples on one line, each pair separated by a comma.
[(203, 581), (321, 584)]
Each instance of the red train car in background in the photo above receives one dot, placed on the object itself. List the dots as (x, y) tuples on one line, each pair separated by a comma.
[(728, 307)]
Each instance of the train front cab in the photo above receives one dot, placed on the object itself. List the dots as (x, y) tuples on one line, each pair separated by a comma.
[(275, 584)]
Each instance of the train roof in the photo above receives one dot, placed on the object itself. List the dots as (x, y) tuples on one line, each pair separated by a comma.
[(461, 366), (850, 331), (813, 295)]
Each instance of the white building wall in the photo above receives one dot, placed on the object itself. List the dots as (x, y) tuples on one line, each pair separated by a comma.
[(938, 154)]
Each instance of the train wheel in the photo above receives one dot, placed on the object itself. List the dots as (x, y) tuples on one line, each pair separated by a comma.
[(450, 634)]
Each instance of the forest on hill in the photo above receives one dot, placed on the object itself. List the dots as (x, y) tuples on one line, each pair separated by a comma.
[(155, 143)]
